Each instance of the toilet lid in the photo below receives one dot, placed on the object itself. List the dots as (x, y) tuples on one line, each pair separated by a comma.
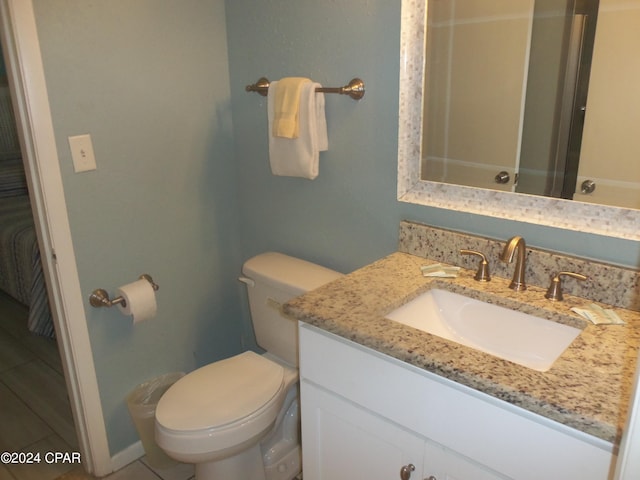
[(220, 393)]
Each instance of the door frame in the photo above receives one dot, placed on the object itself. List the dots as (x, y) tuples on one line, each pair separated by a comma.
[(25, 72)]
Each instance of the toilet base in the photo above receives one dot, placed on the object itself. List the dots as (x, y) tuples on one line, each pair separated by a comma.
[(282, 455), (287, 468), (249, 465), (246, 465)]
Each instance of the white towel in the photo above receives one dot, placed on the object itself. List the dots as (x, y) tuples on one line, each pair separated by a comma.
[(299, 157)]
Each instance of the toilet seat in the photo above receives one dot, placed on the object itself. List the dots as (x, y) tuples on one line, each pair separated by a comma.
[(225, 403), (220, 393)]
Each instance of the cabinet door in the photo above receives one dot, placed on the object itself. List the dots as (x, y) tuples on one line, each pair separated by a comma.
[(343, 441), (440, 463)]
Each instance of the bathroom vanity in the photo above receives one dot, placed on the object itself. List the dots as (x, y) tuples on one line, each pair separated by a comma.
[(390, 415), (384, 400)]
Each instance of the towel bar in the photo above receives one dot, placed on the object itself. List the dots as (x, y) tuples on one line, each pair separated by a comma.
[(355, 88)]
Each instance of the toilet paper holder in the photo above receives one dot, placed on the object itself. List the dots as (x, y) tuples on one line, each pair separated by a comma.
[(100, 297)]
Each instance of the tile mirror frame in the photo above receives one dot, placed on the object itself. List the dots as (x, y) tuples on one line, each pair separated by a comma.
[(553, 212)]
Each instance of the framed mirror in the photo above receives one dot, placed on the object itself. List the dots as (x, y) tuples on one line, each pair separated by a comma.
[(426, 102)]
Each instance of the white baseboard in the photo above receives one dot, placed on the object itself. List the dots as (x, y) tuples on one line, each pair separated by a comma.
[(129, 455)]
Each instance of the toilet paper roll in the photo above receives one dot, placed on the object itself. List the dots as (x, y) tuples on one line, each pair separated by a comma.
[(140, 298)]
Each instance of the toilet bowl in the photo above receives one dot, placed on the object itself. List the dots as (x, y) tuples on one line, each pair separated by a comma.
[(238, 418), (199, 422)]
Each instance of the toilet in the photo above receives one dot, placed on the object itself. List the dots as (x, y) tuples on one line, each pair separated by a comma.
[(238, 418)]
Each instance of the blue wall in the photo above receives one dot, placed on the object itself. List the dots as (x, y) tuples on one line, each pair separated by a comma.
[(149, 81), (349, 215)]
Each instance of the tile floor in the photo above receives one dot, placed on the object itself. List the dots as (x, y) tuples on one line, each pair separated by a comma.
[(35, 415)]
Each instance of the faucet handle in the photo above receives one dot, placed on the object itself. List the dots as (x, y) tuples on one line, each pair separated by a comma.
[(482, 275), (555, 289)]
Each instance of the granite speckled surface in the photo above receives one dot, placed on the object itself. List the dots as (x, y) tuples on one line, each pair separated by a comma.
[(587, 388), (610, 284)]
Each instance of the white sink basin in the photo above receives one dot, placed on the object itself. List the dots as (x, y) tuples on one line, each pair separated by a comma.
[(515, 336)]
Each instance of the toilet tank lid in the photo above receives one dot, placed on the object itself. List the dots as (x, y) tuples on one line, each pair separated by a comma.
[(288, 272)]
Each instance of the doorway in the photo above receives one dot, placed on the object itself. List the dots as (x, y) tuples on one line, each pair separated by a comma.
[(25, 73), (35, 412)]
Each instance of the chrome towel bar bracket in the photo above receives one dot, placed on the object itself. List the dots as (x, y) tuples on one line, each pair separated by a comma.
[(100, 297), (355, 88)]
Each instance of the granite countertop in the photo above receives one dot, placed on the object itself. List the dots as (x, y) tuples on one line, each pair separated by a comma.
[(587, 388)]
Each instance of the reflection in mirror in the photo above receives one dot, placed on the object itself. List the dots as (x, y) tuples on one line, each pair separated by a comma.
[(475, 83), (609, 147), (505, 96), (561, 52)]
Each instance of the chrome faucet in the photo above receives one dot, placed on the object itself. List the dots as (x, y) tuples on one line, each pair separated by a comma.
[(516, 243)]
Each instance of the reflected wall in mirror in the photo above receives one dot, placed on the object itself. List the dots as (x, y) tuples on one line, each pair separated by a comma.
[(445, 132), (506, 91)]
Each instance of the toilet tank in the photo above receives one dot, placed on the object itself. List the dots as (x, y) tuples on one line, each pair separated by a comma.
[(272, 279)]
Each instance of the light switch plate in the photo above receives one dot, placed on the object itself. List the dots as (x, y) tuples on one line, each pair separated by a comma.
[(82, 153)]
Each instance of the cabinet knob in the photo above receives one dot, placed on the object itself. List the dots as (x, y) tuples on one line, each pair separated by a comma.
[(405, 472)]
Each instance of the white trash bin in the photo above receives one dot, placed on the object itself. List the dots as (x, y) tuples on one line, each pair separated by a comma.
[(142, 403)]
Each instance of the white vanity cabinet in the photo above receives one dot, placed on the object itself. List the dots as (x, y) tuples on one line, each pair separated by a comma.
[(344, 440), (366, 415)]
